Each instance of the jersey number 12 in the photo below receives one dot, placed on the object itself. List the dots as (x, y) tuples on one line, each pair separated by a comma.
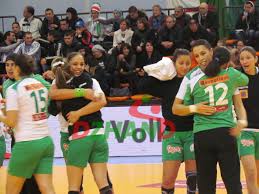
[(221, 101)]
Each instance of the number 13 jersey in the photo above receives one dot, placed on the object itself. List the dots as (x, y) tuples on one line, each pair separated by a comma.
[(30, 98)]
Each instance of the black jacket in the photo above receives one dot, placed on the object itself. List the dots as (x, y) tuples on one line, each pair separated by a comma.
[(250, 23), (211, 21), (45, 27), (167, 91)]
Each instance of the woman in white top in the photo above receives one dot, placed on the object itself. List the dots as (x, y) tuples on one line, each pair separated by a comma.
[(26, 112)]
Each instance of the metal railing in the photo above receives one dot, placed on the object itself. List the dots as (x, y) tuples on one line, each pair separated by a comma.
[(5, 21)]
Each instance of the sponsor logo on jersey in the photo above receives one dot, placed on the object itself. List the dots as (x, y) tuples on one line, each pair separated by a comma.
[(214, 80), (221, 108), (34, 86), (39, 116), (247, 142), (172, 149)]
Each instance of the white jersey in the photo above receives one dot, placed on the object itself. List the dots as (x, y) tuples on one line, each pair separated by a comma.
[(30, 98)]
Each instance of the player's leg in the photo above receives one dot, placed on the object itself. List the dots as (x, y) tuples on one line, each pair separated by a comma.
[(172, 155), (247, 152)]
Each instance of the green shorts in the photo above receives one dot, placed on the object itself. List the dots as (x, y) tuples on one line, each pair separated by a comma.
[(249, 144), (178, 146), (92, 149), (64, 143), (2, 149), (32, 157)]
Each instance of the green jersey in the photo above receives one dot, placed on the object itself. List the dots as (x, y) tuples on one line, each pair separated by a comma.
[(218, 92), (38, 77)]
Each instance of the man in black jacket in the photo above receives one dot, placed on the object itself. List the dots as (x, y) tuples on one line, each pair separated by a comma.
[(194, 32), (169, 37), (50, 22), (70, 44), (134, 15), (209, 20)]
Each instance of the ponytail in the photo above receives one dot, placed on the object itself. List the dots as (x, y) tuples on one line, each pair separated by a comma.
[(221, 56), (61, 78)]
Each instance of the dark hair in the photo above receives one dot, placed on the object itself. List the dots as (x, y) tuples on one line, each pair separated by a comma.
[(8, 33), (248, 49), (132, 9), (221, 56), (11, 57), (69, 33), (62, 20), (63, 73), (54, 33), (16, 23), (201, 42), (144, 21), (49, 9), (180, 52), (73, 12), (126, 45), (25, 64), (26, 33), (126, 21), (30, 9), (70, 56)]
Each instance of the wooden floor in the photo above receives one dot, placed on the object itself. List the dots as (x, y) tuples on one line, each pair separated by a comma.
[(126, 178)]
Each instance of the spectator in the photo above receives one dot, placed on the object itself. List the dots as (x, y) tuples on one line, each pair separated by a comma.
[(72, 17), (182, 19), (70, 44), (125, 69), (83, 36), (97, 29), (64, 26), (149, 56), (240, 45), (134, 15), (32, 48), (247, 26), (123, 35), (50, 49), (50, 22), (169, 37), (141, 35), (157, 20), (30, 23), (208, 20), (17, 30), (194, 31), (8, 45), (115, 21), (101, 68)]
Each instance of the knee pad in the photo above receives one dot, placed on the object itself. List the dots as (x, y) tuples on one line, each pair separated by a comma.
[(73, 192), (106, 190), (191, 181), (167, 191)]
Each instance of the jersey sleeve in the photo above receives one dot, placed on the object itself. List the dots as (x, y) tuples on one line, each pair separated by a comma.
[(11, 99), (96, 86), (188, 99), (239, 78), (183, 88), (42, 80)]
